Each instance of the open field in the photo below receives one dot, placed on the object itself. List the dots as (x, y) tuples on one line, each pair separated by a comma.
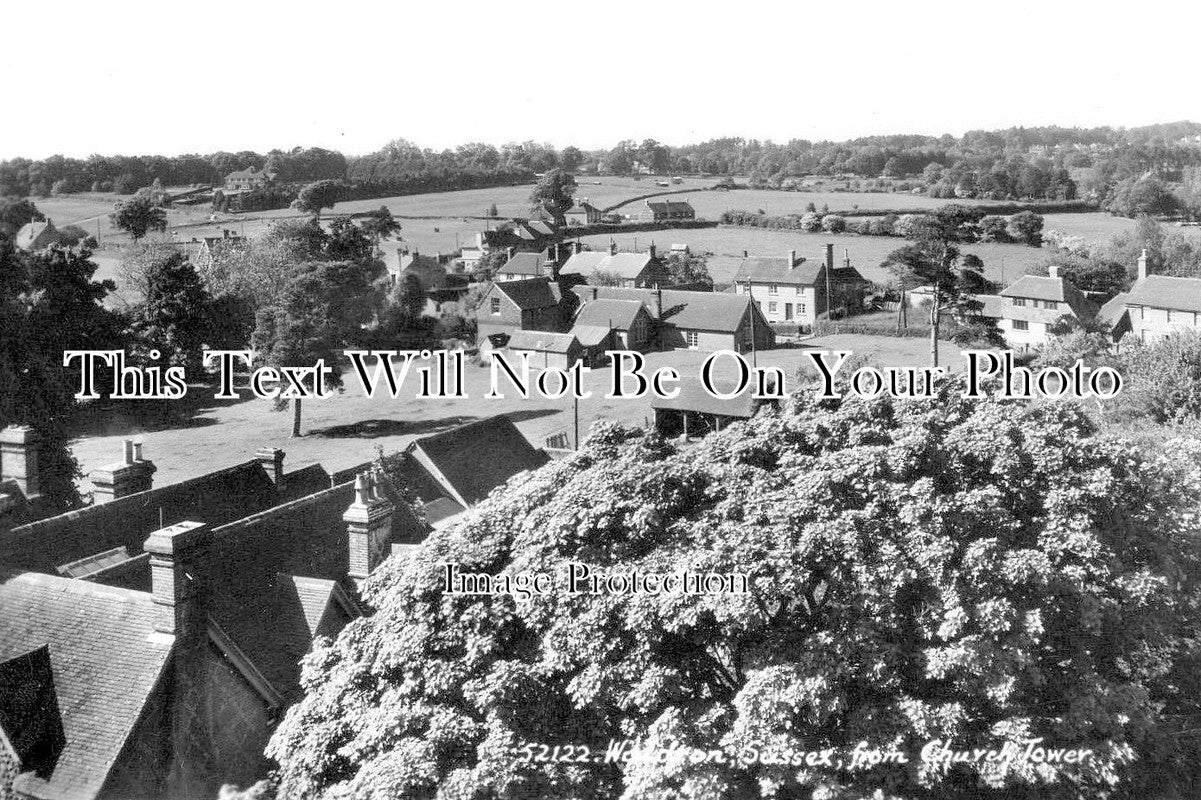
[(1100, 226), (204, 435), (710, 205), (1003, 262)]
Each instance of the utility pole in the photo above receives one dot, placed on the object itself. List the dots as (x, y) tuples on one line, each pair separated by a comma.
[(576, 404)]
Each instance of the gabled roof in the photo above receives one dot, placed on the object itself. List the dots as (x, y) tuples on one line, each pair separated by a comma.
[(702, 311), (693, 397), (30, 722), (249, 172), (1112, 312), (531, 264), (105, 664), (1163, 291), (591, 335), (1038, 287), (34, 234), (998, 307), (541, 341), (607, 314), (626, 265), (531, 293), (771, 269), (472, 460), (669, 205)]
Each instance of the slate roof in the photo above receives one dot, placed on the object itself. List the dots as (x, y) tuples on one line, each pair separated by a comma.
[(30, 722), (770, 269), (531, 264), (215, 498), (531, 293), (270, 568), (1039, 287), (591, 335), (105, 667), (474, 459), (1163, 291), (541, 341), (607, 314), (1112, 312), (997, 307), (626, 265)]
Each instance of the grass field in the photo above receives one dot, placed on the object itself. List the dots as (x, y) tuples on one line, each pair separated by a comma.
[(1100, 227), (1003, 262), (710, 205)]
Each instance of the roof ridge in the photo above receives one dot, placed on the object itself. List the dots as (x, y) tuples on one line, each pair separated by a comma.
[(281, 509)]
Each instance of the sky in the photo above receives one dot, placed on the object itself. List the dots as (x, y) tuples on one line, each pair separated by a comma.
[(169, 78)]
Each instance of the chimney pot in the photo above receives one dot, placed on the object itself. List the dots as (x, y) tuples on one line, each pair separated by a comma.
[(137, 451), (128, 451), (272, 460), (369, 528)]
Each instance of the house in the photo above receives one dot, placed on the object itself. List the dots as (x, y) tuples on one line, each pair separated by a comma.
[(532, 304), (448, 472), (584, 213), (1159, 305), (248, 179), (695, 412), (794, 290), (150, 643), (1030, 306), (546, 349), (34, 236), (692, 320), (208, 246), (632, 270), (527, 265), (1115, 316), (668, 210), (520, 234), (627, 322), (430, 271)]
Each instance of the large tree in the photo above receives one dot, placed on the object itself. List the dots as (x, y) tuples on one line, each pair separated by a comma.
[(138, 216), (981, 572), (380, 225), (934, 260), (553, 194), (317, 196), (176, 315), (320, 311)]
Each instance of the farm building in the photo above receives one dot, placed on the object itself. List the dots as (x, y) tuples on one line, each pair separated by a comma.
[(693, 320), (794, 290), (695, 412), (633, 270), (627, 321), (584, 213), (533, 304), (36, 236), (546, 349), (1031, 305)]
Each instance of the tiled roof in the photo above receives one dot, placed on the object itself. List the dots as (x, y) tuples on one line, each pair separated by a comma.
[(474, 459), (1162, 291), (541, 341), (532, 264), (215, 498), (997, 307), (531, 293), (769, 269), (701, 311), (609, 314), (626, 265), (1038, 287), (105, 666), (591, 335), (1113, 310)]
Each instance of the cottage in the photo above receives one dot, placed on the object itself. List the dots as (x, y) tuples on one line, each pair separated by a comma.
[(669, 210), (794, 290), (533, 304), (693, 320), (1029, 307), (527, 265), (627, 321), (546, 349), (1159, 305), (34, 236), (584, 213), (631, 270), (207, 247)]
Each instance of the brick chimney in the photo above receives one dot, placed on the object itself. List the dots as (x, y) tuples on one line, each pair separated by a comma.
[(130, 475), (612, 247), (658, 302), (272, 459), (369, 526), (510, 250), (651, 251), (1142, 265), (1053, 271), (830, 257), (173, 552), (19, 459), (792, 262)]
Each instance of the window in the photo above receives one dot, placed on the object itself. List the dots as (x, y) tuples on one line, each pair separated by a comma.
[(773, 288), (1169, 315), (1021, 325), (1051, 304), (800, 309), (495, 306), (771, 307), (692, 338), (1019, 301)]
